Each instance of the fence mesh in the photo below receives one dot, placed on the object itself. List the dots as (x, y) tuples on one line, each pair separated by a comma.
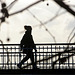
[(49, 56)]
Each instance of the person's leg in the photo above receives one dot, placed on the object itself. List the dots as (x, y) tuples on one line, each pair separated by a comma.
[(32, 60), (23, 60)]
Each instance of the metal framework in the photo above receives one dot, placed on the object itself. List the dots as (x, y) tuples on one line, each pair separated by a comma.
[(62, 4), (49, 56)]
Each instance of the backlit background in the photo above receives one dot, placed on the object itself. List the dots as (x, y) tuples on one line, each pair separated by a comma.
[(50, 22)]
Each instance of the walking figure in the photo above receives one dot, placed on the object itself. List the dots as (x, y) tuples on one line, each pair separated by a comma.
[(27, 45)]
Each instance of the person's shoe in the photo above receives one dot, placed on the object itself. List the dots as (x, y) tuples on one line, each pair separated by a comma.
[(19, 66), (35, 68)]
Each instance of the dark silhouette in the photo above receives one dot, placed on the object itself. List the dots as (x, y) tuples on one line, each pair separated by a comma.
[(27, 45), (4, 12)]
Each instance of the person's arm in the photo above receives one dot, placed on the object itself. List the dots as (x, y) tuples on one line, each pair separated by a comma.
[(34, 46), (21, 45), (22, 42)]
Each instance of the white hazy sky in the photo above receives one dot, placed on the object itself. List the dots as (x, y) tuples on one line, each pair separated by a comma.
[(60, 27)]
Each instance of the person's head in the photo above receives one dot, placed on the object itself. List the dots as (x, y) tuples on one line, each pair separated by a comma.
[(28, 28)]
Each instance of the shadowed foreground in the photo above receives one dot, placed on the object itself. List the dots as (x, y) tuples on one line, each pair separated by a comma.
[(39, 71)]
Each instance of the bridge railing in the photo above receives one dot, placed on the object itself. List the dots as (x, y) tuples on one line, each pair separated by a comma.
[(49, 56)]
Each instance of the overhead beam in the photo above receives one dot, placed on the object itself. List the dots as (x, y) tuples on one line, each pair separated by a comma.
[(62, 4)]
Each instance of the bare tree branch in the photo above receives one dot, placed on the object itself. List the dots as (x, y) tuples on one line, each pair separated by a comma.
[(62, 4), (43, 26), (51, 19), (11, 5), (26, 8), (70, 34)]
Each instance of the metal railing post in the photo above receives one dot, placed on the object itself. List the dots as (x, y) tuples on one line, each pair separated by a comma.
[(35, 57)]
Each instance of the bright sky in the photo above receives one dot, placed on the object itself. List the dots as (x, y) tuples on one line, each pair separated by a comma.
[(60, 27)]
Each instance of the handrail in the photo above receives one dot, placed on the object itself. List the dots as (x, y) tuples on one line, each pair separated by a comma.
[(45, 44)]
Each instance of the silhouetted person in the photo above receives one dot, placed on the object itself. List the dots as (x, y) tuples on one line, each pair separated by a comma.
[(4, 12), (27, 45)]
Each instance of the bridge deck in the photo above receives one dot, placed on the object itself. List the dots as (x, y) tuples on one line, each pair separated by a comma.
[(38, 71)]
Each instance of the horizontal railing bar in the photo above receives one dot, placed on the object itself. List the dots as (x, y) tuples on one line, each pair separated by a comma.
[(21, 55), (45, 44), (39, 48), (33, 52), (56, 44), (46, 64)]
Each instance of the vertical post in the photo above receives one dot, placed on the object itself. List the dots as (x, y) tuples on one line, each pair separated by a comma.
[(43, 57), (68, 59), (39, 55), (35, 57), (59, 57), (50, 62), (59, 61), (14, 57), (11, 57), (19, 54), (72, 60), (7, 58), (51, 55), (3, 57), (55, 54), (62, 56), (46, 57)]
